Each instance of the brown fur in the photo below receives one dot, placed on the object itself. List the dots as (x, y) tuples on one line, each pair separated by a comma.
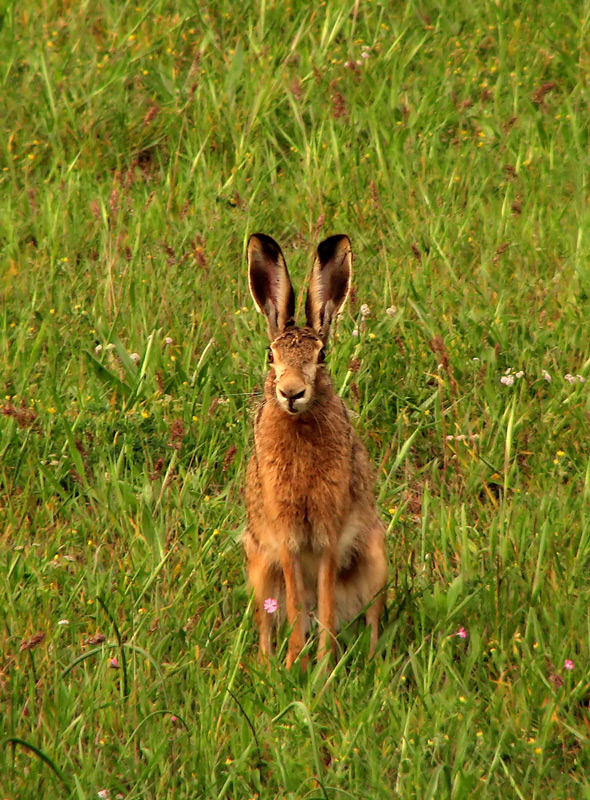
[(313, 536)]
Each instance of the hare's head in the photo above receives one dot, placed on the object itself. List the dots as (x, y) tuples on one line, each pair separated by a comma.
[(296, 354)]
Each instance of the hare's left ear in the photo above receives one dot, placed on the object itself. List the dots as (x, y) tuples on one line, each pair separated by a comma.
[(270, 284), (329, 285)]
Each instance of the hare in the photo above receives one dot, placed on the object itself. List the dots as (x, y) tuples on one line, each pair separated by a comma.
[(313, 535)]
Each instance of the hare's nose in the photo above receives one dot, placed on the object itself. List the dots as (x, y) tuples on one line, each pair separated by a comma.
[(290, 394)]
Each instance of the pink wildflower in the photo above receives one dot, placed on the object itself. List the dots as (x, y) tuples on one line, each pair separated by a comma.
[(461, 633), (569, 664), (173, 719), (113, 663), (270, 605)]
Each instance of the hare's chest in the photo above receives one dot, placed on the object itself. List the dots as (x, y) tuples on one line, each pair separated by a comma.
[(303, 480)]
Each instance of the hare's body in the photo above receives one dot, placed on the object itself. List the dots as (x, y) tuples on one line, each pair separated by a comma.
[(313, 538)]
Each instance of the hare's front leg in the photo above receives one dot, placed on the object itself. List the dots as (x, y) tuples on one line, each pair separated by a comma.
[(295, 603), (326, 601), (265, 578)]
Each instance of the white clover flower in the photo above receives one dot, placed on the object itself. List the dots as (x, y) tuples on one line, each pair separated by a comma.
[(519, 374), (168, 340), (391, 311), (63, 622), (355, 332), (547, 376), (581, 378), (569, 378), (365, 55), (135, 357), (365, 311), (110, 347), (507, 380), (98, 348)]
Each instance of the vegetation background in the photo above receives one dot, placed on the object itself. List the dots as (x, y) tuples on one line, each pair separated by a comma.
[(141, 144)]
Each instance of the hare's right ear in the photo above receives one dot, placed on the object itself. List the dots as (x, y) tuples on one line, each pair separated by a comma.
[(329, 285), (270, 284)]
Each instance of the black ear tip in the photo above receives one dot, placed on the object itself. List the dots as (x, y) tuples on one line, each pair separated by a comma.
[(266, 244), (329, 247)]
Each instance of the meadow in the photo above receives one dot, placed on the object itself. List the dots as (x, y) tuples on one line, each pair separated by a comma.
[(141, 144)]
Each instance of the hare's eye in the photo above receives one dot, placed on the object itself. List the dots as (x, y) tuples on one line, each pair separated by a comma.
[(270, 356), (322, 355)]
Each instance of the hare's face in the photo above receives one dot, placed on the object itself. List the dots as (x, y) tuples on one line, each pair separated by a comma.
[(296, 356)]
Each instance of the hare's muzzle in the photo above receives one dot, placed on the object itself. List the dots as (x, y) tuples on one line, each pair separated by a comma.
[(293, 394)]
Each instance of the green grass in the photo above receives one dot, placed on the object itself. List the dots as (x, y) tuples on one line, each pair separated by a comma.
[(141, 145)]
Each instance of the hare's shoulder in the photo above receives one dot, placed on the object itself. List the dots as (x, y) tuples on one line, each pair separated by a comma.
[(362, 473)]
